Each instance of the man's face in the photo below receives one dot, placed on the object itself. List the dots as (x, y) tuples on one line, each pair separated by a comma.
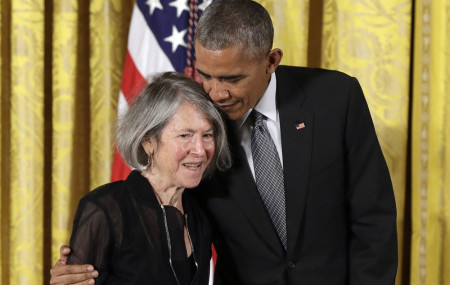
[(233, 82)]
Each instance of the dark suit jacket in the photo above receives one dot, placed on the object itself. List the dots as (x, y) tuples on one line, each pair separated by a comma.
[(341, 214)]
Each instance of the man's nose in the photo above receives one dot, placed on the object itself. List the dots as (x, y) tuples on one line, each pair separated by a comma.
[(216, 90)]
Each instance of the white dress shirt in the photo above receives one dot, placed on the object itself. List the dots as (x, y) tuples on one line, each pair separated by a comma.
[(267, 107)]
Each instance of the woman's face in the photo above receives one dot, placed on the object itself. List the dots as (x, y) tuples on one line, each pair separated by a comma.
[(184, 151)]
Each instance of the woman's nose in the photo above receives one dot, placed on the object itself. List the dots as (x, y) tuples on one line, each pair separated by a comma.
[(198, 146)]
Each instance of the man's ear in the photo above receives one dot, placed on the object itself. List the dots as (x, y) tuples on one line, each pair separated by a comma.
[(274, 58)]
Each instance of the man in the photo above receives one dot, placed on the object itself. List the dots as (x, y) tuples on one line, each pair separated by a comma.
[(335, 219)]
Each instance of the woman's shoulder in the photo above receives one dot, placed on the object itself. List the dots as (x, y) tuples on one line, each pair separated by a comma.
[(106, 198), (105, 190)]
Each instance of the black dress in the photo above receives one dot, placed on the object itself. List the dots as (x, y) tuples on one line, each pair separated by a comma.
[(122, 230)]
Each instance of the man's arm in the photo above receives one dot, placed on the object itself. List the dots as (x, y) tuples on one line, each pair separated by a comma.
[(372, 208), (71, 274)]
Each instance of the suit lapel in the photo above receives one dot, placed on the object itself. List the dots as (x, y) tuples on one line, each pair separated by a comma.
[(243, 189), (296, 137), (297, 148)]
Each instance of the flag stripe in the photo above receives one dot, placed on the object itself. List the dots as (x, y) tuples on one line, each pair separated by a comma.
[(161, 24), (144, 48), (132, 79)]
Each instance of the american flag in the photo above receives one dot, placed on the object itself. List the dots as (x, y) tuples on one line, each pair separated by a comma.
[(160, 39)]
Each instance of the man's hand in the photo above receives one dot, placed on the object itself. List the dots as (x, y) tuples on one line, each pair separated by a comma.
[(71, 274)]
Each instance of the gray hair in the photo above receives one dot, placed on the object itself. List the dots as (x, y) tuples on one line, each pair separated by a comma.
[(242, 23), (153, 108)]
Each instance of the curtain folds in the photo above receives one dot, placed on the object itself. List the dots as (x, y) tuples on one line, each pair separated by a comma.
[(3, 220), (290, 19), (66, 146), (108, 33), (430, 251), (88, 51), (26, 137), (61, 64)]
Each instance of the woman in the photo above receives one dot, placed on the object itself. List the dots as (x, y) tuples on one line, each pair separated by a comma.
[(147, 229)]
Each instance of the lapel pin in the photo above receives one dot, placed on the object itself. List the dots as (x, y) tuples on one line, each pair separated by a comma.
[(300, 126)]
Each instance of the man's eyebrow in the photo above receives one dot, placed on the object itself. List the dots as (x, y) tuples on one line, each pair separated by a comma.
[(203, 73), (223, 77), (230, 77)]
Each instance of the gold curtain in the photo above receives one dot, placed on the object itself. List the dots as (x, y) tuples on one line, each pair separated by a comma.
[(290, 20), (88, 51), (430, 251), (26, 144), (61, 63)]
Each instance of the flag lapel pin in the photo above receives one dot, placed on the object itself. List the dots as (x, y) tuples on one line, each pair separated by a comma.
[(300, 126)]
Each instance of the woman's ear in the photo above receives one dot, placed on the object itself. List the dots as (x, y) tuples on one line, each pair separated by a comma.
[(149, 146), (274, 58)]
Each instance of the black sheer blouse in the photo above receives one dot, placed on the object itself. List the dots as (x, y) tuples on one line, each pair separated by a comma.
[(121, 229)]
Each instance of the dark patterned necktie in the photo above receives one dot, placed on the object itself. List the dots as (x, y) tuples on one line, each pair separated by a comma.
[(269, 175)]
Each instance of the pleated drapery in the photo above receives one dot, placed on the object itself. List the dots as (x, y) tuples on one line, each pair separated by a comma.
[(430, 139), (23, 145), (60, 76), (61, 64)]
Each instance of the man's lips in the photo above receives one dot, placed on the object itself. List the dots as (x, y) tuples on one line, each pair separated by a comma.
[(227, 105)]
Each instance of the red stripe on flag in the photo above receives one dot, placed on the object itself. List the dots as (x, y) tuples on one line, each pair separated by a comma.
[(214, 255), (120, 170), (132, 80)]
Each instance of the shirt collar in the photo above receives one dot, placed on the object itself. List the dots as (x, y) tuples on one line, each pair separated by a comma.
[(267, 103)]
